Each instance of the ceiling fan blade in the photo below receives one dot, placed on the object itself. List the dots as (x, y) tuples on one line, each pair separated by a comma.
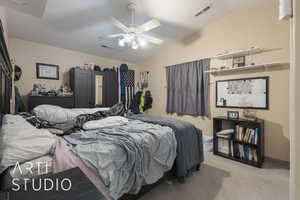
[(152, 39), (111, 36), (154, 23), (117, 23)]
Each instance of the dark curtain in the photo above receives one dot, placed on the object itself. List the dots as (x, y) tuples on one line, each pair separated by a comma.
[(188, 88)]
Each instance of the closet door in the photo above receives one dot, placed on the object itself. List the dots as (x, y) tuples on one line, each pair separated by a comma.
[(81, 83), (110, 89)]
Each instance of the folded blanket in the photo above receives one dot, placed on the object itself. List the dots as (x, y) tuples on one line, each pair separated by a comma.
[(106, 122)]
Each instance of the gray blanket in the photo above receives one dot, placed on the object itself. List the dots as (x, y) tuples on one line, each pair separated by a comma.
[(127, 156), (189, 143)]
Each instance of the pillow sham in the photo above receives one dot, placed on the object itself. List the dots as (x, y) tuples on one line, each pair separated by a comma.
[(20, 141)]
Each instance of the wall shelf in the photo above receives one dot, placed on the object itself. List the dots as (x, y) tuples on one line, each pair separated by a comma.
[(239, 53), (248, 67)]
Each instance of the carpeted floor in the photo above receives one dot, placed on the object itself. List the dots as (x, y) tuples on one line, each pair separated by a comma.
[(222, 179)]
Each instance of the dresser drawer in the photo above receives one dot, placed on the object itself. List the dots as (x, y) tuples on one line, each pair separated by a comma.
[(65, 102)]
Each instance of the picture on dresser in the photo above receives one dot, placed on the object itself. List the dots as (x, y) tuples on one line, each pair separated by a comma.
[(47, 71)]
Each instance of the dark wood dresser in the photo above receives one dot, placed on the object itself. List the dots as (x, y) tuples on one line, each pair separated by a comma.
[(63, 101)]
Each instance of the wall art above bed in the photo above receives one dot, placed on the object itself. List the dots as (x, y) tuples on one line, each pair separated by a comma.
[(249, 93)]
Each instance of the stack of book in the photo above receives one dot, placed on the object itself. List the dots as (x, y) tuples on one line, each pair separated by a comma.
[(226, 133), (247, 135), (225, 144), (246, 153)]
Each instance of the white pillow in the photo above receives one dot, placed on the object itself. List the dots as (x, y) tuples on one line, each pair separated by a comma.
[(58, 114), (20, 141), (106, 122)]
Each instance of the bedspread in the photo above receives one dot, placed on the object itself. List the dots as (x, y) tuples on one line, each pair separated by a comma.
[(128, 156)]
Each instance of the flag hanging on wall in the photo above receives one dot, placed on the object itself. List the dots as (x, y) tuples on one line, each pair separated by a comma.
[(126, 85)]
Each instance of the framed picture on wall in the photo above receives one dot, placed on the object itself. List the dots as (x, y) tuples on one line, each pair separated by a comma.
[(246, 93), (47, 71), (239, 61)]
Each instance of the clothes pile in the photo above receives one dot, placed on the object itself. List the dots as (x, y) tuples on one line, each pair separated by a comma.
[(141, 102)]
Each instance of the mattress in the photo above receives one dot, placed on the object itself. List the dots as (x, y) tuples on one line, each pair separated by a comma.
[(26, 170)]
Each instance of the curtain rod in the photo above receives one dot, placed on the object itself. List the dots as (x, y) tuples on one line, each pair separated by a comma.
[(191, 61)]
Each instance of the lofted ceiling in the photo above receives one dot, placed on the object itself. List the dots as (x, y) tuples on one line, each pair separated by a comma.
[(76, 24)]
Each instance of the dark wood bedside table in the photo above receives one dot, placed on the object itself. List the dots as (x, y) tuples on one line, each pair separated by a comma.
[(81, 188)]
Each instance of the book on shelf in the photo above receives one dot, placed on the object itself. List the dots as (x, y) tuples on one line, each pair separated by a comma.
[(247, 135), (225, 146), (246, 153)]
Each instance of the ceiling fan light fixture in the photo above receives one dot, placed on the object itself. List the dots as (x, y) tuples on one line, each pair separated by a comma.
[(134, 45), (127, 39), (121, 42), (133, 36), (142, 42)]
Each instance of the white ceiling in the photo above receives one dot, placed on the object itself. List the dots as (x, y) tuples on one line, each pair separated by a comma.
[(76, 24)]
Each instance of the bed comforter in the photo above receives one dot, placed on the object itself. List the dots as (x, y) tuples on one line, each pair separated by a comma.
[(189, 143), (128, 156)]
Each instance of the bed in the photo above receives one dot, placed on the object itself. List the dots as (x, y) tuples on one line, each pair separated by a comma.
[(153, 146), (122, 158)]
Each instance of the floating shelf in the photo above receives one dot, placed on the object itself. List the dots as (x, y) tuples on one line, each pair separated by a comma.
[(239, 53), (248, 67)]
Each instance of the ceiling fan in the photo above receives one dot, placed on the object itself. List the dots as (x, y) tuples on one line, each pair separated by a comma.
[(134, 36)]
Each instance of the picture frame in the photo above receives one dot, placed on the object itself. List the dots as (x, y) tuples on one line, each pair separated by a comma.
[(239, 61), (233, 115), (47, 71), (231, 93), (249, 114)]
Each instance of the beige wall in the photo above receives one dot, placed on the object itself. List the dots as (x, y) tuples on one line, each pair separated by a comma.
[(295, 106), (239, 30), (27, 54)]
